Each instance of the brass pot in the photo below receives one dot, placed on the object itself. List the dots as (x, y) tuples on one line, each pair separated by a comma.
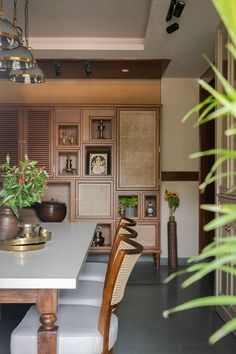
[(8, 223)]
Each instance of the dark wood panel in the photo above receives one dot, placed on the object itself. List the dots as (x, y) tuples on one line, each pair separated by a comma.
[(9, 135), (151, 69), (38, 136), (180, 176)]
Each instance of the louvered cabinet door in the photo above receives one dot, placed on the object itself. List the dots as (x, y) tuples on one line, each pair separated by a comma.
[(10, 134), (38, 136)]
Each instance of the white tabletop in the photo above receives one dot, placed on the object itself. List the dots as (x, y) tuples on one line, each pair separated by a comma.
[(57, 266)]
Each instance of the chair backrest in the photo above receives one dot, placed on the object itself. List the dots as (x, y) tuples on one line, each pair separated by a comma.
[(127, 255), (124, 224)]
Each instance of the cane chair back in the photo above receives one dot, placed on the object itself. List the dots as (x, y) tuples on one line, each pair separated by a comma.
[(127, 255)]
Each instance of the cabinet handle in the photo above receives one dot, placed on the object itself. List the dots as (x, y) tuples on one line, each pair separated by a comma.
[(227, 228)]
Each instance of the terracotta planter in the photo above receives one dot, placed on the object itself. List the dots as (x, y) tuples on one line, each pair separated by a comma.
[(8, 223), (172, 242), (51, 211)]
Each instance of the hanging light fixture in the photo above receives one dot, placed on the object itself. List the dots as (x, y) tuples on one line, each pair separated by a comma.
[(10, 36), (20, 58), (31, 76), (28, 75)]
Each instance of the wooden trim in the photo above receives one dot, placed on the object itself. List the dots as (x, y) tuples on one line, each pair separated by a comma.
[(180, 176)]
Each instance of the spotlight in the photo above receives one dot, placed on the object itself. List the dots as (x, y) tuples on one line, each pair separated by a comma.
[(57, 69), (170, 10), (87, 68), (178, 8), (172, 28)]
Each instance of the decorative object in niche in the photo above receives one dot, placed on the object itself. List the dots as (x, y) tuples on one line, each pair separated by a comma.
[(98, 163), (69, 168), (150, 209), (101, 128)]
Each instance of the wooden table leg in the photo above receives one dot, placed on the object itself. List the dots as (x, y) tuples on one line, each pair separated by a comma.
[(47, 332)]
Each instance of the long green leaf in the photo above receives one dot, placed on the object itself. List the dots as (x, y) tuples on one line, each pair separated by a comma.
[(202, 302), (227, 10), (227, 328)]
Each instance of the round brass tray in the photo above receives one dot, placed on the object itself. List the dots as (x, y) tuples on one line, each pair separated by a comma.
[(22, 248), (22, 241), (29, 238)]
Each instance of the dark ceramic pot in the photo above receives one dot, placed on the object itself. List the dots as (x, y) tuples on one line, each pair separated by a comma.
[(51, 211), (8, 223)]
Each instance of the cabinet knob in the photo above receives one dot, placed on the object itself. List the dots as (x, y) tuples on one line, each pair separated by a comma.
[(227, 228)]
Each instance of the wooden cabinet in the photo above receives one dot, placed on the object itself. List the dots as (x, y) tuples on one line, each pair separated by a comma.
[(96, 156), (26, 131), (225, 283)]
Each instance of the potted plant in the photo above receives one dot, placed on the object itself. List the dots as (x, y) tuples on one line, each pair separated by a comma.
[(128, 205), (22, 186), (172, 199)]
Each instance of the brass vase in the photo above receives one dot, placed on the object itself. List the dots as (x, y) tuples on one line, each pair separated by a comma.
[(8, 223), (172, 242)]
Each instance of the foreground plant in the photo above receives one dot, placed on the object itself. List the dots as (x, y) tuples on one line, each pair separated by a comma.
[(222, 252)]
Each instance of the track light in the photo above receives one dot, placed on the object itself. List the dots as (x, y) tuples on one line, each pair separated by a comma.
[(170, 10), (172, 28), (57, 68), (175, 9), (87, 68), (178, 8)]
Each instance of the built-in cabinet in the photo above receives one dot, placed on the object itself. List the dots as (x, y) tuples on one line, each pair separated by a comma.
[(225, 283), (96, 157), (20, 129)]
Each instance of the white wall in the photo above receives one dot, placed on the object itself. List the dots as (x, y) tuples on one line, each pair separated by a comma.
[(179, 140)]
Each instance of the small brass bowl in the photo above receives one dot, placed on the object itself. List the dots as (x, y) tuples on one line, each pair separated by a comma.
[(28, 230)]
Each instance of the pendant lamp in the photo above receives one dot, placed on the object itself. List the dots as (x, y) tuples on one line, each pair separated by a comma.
[(9, 34), (19, 58), (31, 76)]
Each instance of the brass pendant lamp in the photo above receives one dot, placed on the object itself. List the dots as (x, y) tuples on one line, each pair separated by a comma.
[(31, 75), (10, 36), (19, 58)]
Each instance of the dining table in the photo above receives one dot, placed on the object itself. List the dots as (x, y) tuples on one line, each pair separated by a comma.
[(36, 276)]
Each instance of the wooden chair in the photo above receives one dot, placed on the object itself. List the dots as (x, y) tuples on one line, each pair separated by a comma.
[(96, 271), (90, 292), (84, 329)]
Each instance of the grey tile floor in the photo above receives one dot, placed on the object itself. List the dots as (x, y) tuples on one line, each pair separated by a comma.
[(142, 329)]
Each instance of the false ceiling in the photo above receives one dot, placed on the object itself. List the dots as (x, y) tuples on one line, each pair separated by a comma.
[(120, 31)]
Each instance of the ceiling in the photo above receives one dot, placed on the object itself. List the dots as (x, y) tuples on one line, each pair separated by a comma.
[(121, 30)]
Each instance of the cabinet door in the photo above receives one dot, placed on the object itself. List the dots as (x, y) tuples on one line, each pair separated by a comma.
[(38, 135), (10, 134), (226, 283), (138, 149), (223, 123)]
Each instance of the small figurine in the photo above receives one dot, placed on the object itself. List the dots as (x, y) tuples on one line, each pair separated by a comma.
[(64, 137), (101, 128), (68, 168), (150, 209), (98, 239), (71, 138)]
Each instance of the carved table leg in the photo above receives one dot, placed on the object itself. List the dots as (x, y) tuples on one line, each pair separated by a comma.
[(47, 333)]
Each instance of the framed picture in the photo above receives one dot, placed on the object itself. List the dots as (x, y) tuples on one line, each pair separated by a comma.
[(98, 163)]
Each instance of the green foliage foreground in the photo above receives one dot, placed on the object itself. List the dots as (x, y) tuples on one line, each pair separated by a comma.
[(222, 252)]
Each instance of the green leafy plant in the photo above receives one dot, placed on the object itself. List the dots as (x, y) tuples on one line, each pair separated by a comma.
[(128, 201), (172, 199), (23, 185), (221, 253)]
